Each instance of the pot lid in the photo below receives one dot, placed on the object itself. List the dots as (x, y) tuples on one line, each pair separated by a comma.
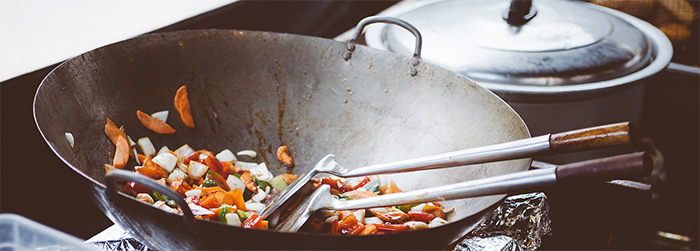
[(552, 43)]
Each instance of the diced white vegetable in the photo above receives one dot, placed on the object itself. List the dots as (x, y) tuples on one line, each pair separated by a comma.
[(255, 206), (234, 182), (249, 153), (245, 165), (199, 210), (193, 193), (331, 219), (418, 208), (373, 220), (328, 213), (197, 170), (175, 174), (161, 205), (226, 155), (146, 146), (448, 210), (261, 173), (260, 196), (185, 150), (161, 115), (416, 225), (278, 183), (71, 140), (166, 160), (131, 141), (163, 149), (145, 198), (233, 219), (359, 215), (437, 222)]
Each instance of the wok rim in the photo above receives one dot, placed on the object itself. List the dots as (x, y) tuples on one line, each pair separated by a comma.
[(473, 218)]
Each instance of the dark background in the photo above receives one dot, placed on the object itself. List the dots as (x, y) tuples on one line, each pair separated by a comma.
[(36, 184)]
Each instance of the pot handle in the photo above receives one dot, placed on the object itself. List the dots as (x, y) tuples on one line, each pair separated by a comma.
[(113, 175), (390, 20)]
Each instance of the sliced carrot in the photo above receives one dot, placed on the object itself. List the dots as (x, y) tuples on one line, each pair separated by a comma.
[(142, 157), (154, 124), (121, 156), (284, 156), (391, 189), (113, 132), (369, 229), (209, 202), (359, 194), (182, 104), (248, 181), (287, 177), (238, 201)]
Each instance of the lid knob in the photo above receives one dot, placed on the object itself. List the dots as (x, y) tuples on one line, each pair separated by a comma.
[(520, 12)]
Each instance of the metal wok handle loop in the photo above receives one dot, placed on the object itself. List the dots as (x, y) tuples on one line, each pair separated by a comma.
[(113, 175), (390, 20)]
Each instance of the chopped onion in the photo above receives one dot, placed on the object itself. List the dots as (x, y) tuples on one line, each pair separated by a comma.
[(166, 160), (245, 165), (226, 155), (249, 153), (416, 225), (233, 219), (199, 210), (161, 115), (197, 170), (373, 220), (260, 196), (71, 140), (163, 149), (255, 206), (193, 193), (360, 215), (261, 173), (146, 146), (185, 150), (437, 222), (234, 182)]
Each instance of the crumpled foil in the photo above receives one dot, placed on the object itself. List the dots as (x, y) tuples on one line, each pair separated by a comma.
[(115, 238), (522, 218)]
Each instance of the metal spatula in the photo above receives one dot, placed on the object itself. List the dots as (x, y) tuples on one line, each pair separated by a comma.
[(622, 166), (576, 140)]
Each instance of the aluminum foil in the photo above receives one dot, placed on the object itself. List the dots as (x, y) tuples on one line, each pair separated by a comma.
[(522, 219), (115, 238)]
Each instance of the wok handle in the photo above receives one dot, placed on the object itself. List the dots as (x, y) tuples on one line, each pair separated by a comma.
[(391, 20), (631, 165), (592, 138), (616, 167), (113, 175)]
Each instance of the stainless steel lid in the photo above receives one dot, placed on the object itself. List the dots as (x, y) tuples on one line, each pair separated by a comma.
[(563, 46)]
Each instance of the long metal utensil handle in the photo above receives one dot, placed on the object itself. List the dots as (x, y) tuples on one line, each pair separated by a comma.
[(622, 166), (570, 141)]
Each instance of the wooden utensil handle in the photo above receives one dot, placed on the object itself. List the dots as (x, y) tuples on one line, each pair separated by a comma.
[(593, 137), (625, 166)]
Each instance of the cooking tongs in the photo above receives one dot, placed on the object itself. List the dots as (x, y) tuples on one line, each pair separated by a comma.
[(622, 166), (576, 140)]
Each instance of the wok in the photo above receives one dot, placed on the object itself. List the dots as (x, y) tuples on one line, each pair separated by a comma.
[(258, 90)]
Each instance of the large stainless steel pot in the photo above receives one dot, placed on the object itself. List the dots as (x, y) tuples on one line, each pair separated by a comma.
[(258, 90), (560, 59)]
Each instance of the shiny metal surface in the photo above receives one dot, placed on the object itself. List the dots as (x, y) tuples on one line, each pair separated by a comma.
[(569, 49), (514, 182), (258, 90)]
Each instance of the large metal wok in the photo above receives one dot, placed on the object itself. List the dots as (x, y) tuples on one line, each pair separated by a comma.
[(258, 90)]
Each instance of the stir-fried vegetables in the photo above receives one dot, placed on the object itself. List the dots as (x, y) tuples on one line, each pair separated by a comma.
[(379, 220), (216, 187)]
